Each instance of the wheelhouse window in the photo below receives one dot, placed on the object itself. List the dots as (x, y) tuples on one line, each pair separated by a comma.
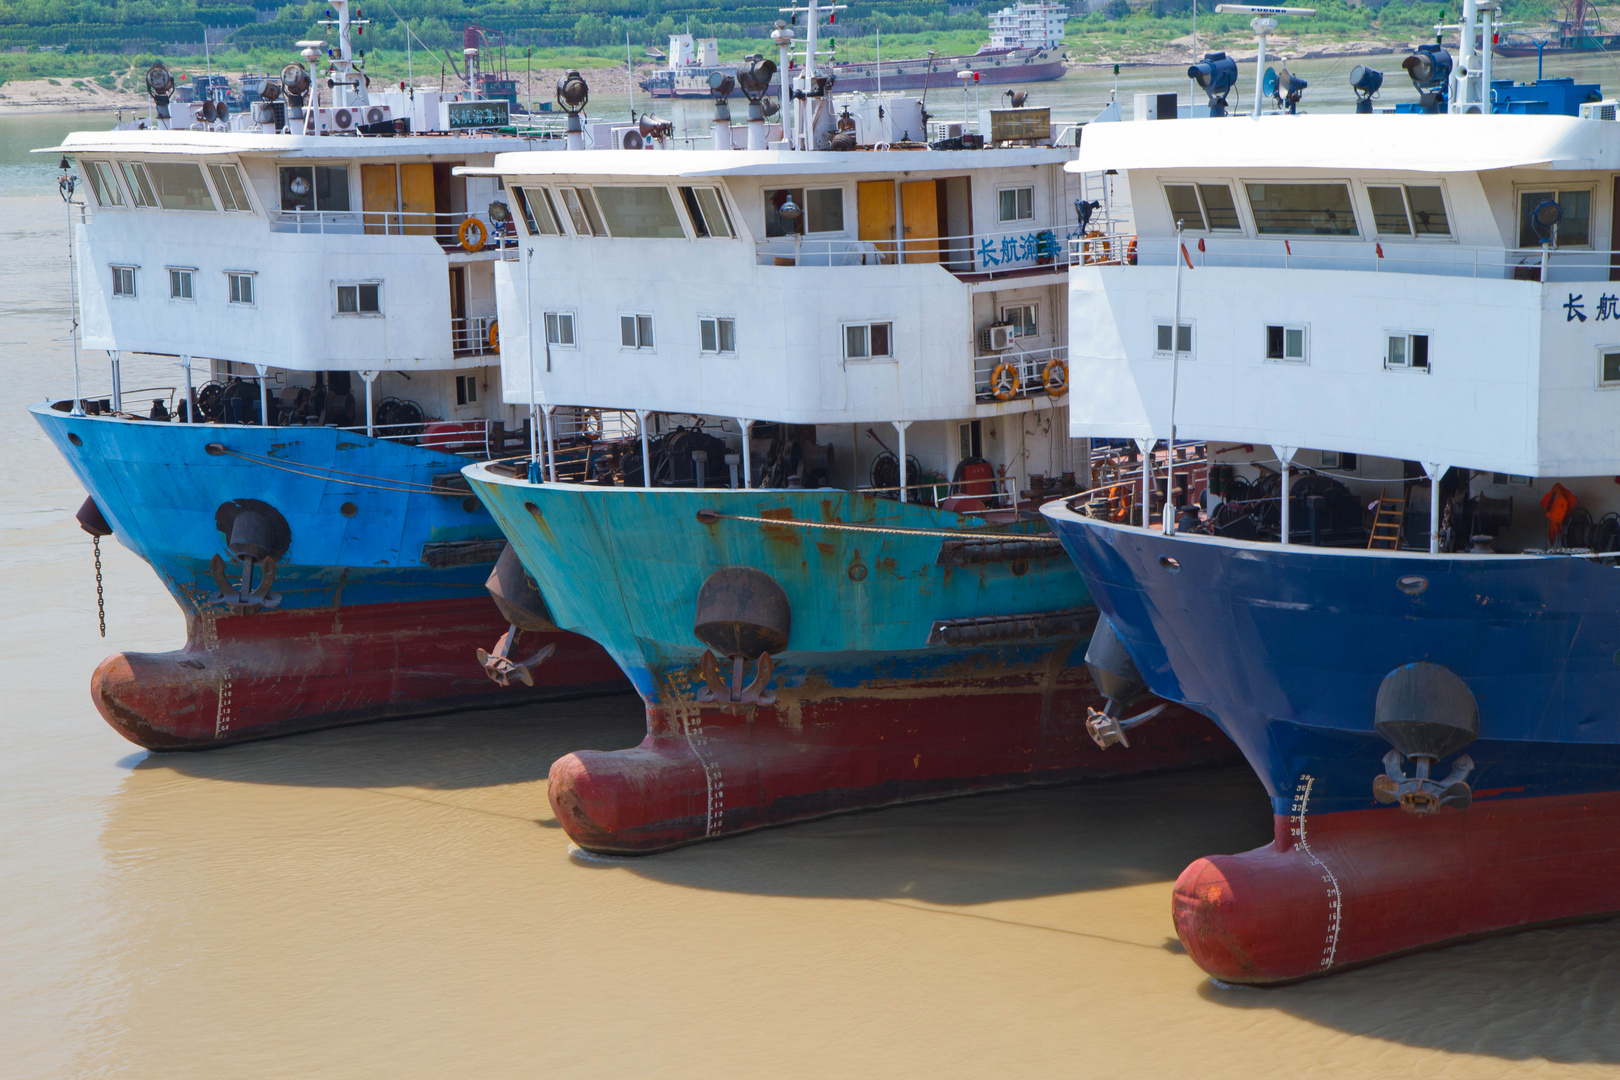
[(1203, 207), (708, 212), (640, 212), (1406, 352), (582, 211), (1609, 367), (180, 282), (180, 185), (140, 184), (240, 284), (1015, 204), (233, 198), (1161, 340), (1285, 344), (1574, 228), (539, 212), (1021, 317), (364, 298), (1409, 210), (560, 328), (123, 281), (636, 331), (315, 187), (104, 183), (1302, 209), (717, 334), (868, 341)]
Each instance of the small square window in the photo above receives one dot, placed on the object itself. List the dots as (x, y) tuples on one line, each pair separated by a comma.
[(1021, 318), (717, 335), (123, 281), (241, 286), (1017, 204), (1285, 344), (636, 331), (1609, 369), (1407, 352), (867, 341), (359, 299), (179, 284), (466, 389), (1184, 342), (559, 326), (824, 210)]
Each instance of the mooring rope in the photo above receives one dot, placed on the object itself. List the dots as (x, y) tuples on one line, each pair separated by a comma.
[(840, 526), (409, 487)]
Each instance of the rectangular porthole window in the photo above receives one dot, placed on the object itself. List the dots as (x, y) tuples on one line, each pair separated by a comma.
[(1285, 344), (636, 331), (717, 334), (1406, 352), (868, 341), (241, 287), (1015, 204), (180, 283), (466, 389), (1409, 210), (1609, 367), (359, 299), (123, 281), (1302, 209), (1161, 340), (230, 189), (708, 212), (104, 183), (560, 328)]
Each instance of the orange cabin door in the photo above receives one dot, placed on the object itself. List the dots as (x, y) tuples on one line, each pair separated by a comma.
[(416, 197), (379, 197), (919, 216), (874, 205)]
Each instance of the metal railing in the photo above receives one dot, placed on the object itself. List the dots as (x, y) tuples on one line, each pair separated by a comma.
[(1016, 373), (987, 254), (998, 494), (445, 228), (478, 439), (471, 336), (1435, 258)]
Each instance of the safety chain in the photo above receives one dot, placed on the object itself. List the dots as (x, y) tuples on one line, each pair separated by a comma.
[(101, 602)]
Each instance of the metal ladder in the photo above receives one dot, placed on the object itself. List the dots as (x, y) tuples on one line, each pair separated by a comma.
[(1387, 524)]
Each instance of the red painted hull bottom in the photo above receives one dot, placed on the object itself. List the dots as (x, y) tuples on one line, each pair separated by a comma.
[(257, 676), (704, 774), (1401, 883)]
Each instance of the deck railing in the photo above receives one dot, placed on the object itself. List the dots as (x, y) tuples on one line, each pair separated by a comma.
[(471, 336), (1436, 258), (1019, 373), (445, 228), (988, 255)]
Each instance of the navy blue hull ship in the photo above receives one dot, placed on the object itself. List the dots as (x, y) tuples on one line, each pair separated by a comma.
[(1395, 587)]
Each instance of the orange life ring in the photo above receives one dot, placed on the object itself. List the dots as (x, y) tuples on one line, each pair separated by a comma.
[(494, 336), (468, 228), (1122, 496), (1130, 253), (1095, 247), (1056, 377), (1004, 381)]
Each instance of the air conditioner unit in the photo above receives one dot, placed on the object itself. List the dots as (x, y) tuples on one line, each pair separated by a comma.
[(348, 119), (1601, 110), (996, 338), (628, 137)]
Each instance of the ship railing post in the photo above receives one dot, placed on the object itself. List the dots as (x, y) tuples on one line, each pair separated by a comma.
[(1146, 446), (191, 397), (900, 426), (264, 394), (551, 443), (371, 425), (117, 382), (1434, 470), (747, 457), (646, 453), (1285, 457)]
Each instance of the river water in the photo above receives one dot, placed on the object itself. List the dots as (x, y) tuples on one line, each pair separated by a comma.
[(396, 900)]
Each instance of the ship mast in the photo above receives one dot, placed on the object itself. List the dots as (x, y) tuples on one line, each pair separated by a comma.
[(348, 81), (804, 131)]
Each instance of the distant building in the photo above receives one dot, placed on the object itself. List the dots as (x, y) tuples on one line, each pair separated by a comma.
[(1028, 26)]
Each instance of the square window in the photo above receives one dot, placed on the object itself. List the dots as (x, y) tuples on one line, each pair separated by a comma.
[(856, 343), (1220, 208), (880, 340), (824, 210), (1021, 318), (539, 212), (1609, 369), (1409, 351), (123, 281), (1428, 211), (1184, 339), (466, 389), (717, 335), (1285, 344), (636, 331), (1330, 459), (582, 211), (1016, 204), (359, 299), (778, 224), (1389, 211), (241, 286), (179, 284), (1574, 218), (370, 297), (560, 328)]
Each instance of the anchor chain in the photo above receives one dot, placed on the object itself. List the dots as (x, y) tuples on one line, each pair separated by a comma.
[(101, 601)]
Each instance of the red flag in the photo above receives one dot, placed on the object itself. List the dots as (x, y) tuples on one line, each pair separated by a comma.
[(1186, 256), (1380, 249), (1200, 243), (1288, 247)]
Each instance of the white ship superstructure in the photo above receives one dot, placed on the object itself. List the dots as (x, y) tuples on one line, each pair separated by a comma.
[(1028, 26)]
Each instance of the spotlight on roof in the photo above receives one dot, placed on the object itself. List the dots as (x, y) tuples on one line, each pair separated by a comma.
[(1430, 69), (1216, 74), (1365, 81), (1289, 89), (1544, 218)]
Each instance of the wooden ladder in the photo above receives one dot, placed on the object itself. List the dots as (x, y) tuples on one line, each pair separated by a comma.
[(1387, 523)]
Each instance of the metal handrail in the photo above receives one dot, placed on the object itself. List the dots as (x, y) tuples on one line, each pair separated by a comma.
[(987, 253), (470, 336), (443, 227), (1030, 366)]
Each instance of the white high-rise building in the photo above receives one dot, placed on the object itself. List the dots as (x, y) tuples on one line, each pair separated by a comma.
[(1028, 26)]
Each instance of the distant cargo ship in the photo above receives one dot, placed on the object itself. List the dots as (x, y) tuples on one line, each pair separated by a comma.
[(1025, 46), (1572, 35)]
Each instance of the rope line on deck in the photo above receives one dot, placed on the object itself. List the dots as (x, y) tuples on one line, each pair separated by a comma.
[(409, 487), (840, 526)]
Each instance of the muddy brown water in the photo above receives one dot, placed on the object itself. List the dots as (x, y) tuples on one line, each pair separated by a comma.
[(396, 900)]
